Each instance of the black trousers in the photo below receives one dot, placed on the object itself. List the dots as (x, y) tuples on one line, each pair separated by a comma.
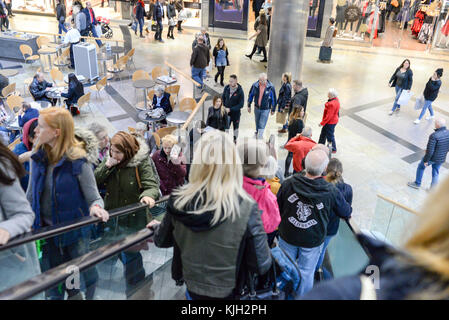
[(72, 61), (5, 22), (327, 133), (220, 73), (235, 120), (170, 32), (179, 25), (264, 51), (288, 161), (158, 34), (8, 7)]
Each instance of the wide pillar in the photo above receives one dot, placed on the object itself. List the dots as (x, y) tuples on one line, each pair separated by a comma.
[(287, 38)]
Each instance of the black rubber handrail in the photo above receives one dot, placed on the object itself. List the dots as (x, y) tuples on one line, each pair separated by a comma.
[(52, 231), (53, 277)]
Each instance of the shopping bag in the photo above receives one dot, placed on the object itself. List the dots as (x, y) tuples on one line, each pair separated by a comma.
[(98, 30), (419, 102), (153, 26), (405, 97), (134, 26), (281, 117)]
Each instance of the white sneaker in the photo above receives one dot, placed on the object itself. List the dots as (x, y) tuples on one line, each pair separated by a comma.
[(430, 117), (390, 113), (416, 121)]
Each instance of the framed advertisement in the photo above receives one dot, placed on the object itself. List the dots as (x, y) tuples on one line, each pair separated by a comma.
[(229, 14)]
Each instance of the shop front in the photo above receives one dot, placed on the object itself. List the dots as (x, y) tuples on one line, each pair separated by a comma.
[(229, 14), (39, 7)]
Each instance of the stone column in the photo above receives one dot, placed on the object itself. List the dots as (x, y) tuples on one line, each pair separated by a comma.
[(287, 39)]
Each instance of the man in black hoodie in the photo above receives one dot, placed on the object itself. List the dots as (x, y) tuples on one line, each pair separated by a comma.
[(233, 99), (300, 97), (305, 204)]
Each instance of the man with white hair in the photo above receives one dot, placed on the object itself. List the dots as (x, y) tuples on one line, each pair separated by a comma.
[(330, 119), (436, 152), (263, 94), (305, 203), (92, 22), (72, 37), (161, 99)]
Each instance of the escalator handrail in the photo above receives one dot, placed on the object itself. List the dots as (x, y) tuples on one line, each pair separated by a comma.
[(53, 277), (356, 230), (52, 231)]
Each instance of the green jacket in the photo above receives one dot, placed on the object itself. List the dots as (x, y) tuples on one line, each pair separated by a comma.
[(122, 188)]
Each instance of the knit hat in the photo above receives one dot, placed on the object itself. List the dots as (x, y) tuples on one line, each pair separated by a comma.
[(439, 72)]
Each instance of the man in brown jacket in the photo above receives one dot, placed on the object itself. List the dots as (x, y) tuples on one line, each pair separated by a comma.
[(199, 61)]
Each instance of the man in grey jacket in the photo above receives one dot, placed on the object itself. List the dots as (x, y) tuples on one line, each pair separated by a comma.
[(80, 21)]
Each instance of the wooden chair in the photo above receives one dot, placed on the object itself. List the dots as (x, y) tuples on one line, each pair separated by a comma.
[(14, 103), (8, 90), (187, 104), (157, 139), (130, 55), (100, 85), (12, 145), (150, 95), (57, 77), (27, 83), (63, 59), (119, 66), (140, 75), (173, 90), (83, 100), (27, 53), (172, 102), (131, 130), (157, 72), (162, 132), (43, 41)]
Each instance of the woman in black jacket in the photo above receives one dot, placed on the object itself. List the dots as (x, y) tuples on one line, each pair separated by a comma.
[(285, 95), (221, 231), (402, 79), (430, 94), (217, 117), (76, 91), (171, 15)]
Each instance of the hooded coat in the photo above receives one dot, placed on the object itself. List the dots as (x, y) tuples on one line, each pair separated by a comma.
[(23, 147), (300, 146), (122, 187)]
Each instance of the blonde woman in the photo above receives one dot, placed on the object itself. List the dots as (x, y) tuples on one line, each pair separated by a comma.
[(217, 116), (208, 218), (62, 188), (419, 271)]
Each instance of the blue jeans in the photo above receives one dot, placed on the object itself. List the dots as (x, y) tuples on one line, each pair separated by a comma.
[(61, 28), (398, 94), (307, 259), (12, 134), (435, 172), (327, 133), (261, 120), (96, 35), (141, 23), (198, 74), (320, 261), (427, 105)]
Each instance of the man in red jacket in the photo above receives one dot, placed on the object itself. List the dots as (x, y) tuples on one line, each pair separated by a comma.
[(330, 119), (300, 147)]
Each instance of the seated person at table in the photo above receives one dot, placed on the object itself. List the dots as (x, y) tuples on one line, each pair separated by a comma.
[(27, 113), (161, 99), (24, 149), (39, 87), (4, 117), (76, 91)]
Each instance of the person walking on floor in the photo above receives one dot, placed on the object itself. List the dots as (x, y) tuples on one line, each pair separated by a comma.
[(284, 97), (330, 119), (234, 99), (80, 21), (402, 79), (221, 60), (179, 4), (300, 97), (430, 94), (9, 8), (171, 15), (92, 22), (199, 61), (140, 15), (261, 39), (436, 152), (4, 21), (263, 94), (326, 46), (60, 16), (158, 15)]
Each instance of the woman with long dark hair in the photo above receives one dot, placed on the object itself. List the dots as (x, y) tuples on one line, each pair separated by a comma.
[(402, 79), (217, 117), (221, 59), (76, 91)]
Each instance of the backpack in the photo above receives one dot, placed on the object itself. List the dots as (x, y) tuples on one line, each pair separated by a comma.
[(288, 274)]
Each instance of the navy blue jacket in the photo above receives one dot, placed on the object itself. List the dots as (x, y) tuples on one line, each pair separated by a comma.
[(334, 220), (140, 11), (165, 102), (37, 89), (285, 95), (29, 114), (18, 150), (236, 102), (431, 90), (68, 200), (437, 146), (406, 83), (268, 99), (72, 95), (88, 22), (158, 12)]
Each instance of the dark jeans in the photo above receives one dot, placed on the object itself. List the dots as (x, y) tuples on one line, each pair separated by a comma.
[(160, 27), (141, 23), (72, 61), (134, 271), (235, 120), (264, 51), (170, 32), (5, 23), (84, 33), (179, 25), (435, 172), (61, 28), (288, 161), (8, 7), (220, 73), (327, 133), (53, 256)]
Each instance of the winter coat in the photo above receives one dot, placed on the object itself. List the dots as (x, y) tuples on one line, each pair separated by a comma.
[(261, 192), (23, 147), (300, 146), (268, 99), (305, 206), (406, 82), (235, 102), (200, 57), (171, 175), (29, 114), (158, 12), (37, 89), (262, 37), (300, 98), (294, 127), (171, 11), (331, 112), (165, 102), (122, 187), (73, 94), (216, 120), (214, 250), (140, 11), (329, 37), (432, 89), (60, 13), (334, 219), (285, 95), (88, 21), (437, 146)]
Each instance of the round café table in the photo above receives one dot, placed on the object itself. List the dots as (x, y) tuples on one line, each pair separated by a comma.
[(48, 52), (105, 56), (54, 94), (143, 84), (178, 117), (9, 72), (143, 115)]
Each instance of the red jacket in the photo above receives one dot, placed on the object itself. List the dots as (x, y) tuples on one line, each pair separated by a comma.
[(171, 175), (331, 109), (300, 146)]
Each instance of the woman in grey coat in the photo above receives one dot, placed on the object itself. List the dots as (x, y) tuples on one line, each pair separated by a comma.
[(16, 217)]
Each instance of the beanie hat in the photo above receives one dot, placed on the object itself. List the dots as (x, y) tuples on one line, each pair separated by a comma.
[(439, 72)]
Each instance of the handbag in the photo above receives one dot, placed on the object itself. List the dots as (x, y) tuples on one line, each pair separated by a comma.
[(335, 33), (134, 26), (98, 30), (153, 26), (419, 102), (405, 97), (281, 116)]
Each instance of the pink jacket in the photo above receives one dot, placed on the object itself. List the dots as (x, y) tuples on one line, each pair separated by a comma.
[(260, 191)]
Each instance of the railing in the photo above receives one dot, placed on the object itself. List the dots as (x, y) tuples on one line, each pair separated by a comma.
[(172, 67), (200, 105)]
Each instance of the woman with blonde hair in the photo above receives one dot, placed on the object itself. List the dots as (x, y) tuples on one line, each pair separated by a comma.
[(217, 116), (210, 221), (62, 188), (419, 271)]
